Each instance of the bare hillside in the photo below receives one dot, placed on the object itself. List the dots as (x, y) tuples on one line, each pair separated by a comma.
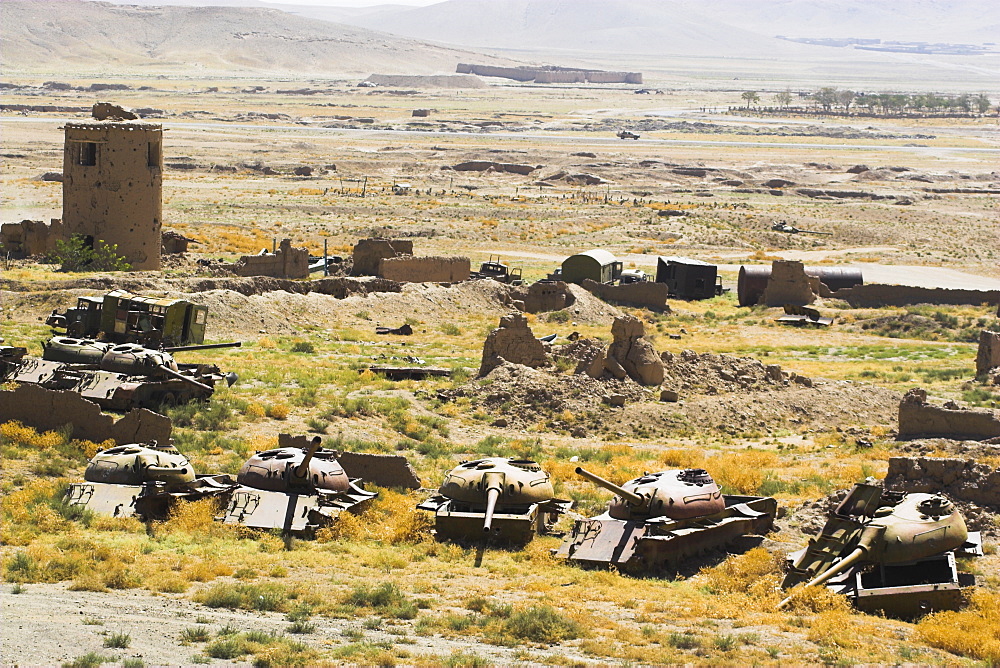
[(51, 36), (692, 27)]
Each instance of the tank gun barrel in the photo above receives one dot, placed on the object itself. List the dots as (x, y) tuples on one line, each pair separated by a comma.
[(302, 470), (854, 557), (207, 346), (187, 379), (633, 498), (492, 495)]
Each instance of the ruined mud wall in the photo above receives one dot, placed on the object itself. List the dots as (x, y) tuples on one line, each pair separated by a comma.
[(47, 410), (649, 295), (31, 237), (368, 253), (544, 296), (789, 284), (425, 269), (875, 295), (113, 186), (988, 355), (286, 262), (919, 418), (514, 342), (960, 479), (550, 74)]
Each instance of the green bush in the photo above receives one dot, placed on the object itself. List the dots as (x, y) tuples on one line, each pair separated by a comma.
[(76, 255), (541, 624)]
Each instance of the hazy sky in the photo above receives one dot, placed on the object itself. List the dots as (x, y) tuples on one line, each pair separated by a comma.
[(355, 3)]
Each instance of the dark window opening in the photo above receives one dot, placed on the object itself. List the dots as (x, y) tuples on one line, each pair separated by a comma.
[(153, 154), (88, 154), (88, 241)]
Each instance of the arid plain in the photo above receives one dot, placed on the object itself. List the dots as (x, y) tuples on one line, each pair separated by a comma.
[(927, 213)]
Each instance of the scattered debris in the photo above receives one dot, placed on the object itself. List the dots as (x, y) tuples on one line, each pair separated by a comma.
[(402, 330), (803, 315)]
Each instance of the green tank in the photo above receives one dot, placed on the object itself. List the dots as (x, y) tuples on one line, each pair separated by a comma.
[(142, 479), (506, 499), (656, 521), (889, 552), (293, 489)]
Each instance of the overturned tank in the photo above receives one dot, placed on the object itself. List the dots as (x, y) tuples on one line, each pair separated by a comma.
[(505, 499), (658, 520), (116, 377), (293, 489), (143, 479), (889, 552)]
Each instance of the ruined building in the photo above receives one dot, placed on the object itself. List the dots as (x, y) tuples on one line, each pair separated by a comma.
[(113, 185)]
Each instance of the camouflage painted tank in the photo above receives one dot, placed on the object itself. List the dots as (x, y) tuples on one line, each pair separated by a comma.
[(889, 552), (658, 520), (293, 489), (508, 499), (142, 479)]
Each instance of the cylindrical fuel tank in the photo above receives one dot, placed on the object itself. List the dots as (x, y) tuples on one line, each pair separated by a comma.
[(274, 470), (753, 280), (520, 481), (675, 494), (138, 464)]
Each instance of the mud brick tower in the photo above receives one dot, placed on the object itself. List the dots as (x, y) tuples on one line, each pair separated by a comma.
[(113, 187)]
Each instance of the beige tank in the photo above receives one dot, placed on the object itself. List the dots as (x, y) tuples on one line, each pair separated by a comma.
[(676, 494), (137, 464)]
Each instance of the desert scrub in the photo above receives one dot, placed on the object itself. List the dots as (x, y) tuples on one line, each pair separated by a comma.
[(391, 518), (263, 597), (38, 509), (755, 574), (973, 633), (385, 598), (18, 442)]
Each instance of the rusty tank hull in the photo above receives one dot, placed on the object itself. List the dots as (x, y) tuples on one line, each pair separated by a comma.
[(498, 499), (142, 479), (294, 490), (889, 552), (643, 546)]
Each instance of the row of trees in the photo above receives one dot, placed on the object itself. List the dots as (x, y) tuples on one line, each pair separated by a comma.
[(830, 98)]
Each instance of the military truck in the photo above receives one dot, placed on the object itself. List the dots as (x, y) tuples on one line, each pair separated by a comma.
[(122, 317), (498, 271)]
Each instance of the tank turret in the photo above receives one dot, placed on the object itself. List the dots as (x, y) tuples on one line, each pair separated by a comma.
[(143, 479), (139, 463), (676, 494), (508, 498), (294, 489), (909, 537), (74, 351), (294, 469), (659, 519)]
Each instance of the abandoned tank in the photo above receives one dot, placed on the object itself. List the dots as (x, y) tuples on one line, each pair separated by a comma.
[(293, 489), (142, 479), (889, 552), (118, 378), (506, 499), (658, 520)]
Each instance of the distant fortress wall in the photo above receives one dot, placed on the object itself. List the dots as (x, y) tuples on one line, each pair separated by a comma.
[(550, 74)]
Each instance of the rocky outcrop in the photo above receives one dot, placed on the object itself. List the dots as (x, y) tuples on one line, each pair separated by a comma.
[(513, 341), (588, 354), (919, 418), (630, 354)]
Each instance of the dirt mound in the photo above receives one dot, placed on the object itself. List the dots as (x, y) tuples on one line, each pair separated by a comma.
[(707, 373), (523, 396)]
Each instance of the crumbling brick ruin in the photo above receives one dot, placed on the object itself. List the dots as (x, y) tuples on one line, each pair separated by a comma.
[(513, 341), (789, 284), (425, 269), (286, 262), (918, 418), (630, 354), (31, 237), (988, 356), (48, 410), (368, 253), (543, 296), (550, 74), (876, 295), (112, 187), (959, 479)]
